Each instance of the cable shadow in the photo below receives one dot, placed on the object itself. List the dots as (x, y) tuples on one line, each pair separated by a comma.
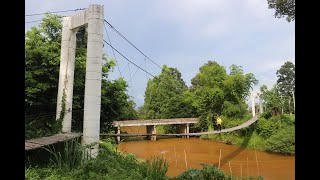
[(240, 149)]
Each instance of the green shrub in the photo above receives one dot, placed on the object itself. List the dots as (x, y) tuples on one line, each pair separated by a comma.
[(69, 158), (154, 169), (109, 164), (266, 115), (283, 141), (266, 128), (286, 119), (208, 172)]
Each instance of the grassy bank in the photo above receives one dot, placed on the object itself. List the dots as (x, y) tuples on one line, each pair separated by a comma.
[(273, 134), (111, 164)]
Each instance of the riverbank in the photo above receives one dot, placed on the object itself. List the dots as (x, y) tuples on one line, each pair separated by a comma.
[(274, 134), (113, 164)]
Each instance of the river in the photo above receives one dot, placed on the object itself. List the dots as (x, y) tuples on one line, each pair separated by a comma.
[(191, 153)]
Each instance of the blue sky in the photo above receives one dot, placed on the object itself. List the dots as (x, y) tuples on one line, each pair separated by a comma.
[(185, 34)]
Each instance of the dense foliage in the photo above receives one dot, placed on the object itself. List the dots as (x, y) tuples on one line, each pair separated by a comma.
[(164, 96), (209, 172), (109, 164), (283, 8), (280, 98), (213, 92)]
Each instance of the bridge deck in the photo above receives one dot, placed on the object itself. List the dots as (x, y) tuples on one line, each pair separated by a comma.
[(246, 124), (44, 141), (155, 122)]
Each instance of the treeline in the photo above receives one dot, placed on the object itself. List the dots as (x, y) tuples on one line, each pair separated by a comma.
[(213, 92)]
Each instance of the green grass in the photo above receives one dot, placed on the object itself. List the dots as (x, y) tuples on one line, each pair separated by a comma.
[(109, 164)]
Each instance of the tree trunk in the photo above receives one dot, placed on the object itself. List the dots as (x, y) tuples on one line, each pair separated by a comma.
[(294, 103), (289, 106)]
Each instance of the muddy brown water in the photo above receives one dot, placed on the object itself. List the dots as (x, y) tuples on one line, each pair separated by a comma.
[(191, 153)]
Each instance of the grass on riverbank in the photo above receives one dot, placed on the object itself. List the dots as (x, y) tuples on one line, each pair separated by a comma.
[(111, 164)]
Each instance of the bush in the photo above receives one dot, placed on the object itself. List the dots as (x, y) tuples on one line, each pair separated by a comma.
[(266, 115), (154, 169), (109, 164), (208, 172), (286, 119), (266, 128), (283, 141)]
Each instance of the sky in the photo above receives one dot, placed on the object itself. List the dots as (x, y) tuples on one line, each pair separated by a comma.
[(186, 34)]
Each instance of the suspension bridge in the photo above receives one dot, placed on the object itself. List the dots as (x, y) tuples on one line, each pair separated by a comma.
[(93, 18), (44, 141)]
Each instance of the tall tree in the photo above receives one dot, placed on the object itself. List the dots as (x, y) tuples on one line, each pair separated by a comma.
[(220, 93), (207, 87), (286, 81), (42, 58), (163, 95), (272, 100), (283, 8)]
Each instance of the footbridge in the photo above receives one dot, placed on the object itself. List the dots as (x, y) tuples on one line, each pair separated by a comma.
[(184, 122), (152, 126), (151, 131)]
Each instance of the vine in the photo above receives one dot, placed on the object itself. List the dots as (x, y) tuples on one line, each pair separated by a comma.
[(63, 110)]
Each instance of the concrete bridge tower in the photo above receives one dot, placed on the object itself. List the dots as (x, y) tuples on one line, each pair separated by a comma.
[(91, 18)]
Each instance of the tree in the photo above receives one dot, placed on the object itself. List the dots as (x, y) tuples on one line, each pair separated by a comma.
[(272, 100), (208, 88), (163, 95), (283, 8), (286, 81), (42, 57), (220, 93)]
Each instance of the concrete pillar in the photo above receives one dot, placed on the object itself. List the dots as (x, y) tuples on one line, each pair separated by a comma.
[(253, 105), (152, 130), (92, 99), (66, 73), (260, 105), (187, 130), (118, 137), (184, 128)]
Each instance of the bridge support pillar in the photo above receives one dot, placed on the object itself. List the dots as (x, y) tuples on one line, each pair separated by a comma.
[(187, 130), (66, 74), (92, 92), (152, 130), (184, 128), (253, 105), (118, 137)]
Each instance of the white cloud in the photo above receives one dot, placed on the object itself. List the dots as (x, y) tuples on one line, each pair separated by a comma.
[(259, 8)]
